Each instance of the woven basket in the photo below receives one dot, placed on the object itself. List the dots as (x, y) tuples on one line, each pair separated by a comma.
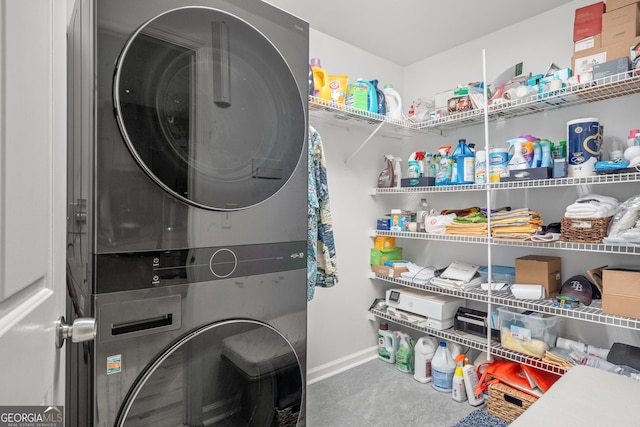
[(584, 230), (507, 403)]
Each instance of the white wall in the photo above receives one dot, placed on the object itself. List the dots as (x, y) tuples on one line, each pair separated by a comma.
[(339, 331)]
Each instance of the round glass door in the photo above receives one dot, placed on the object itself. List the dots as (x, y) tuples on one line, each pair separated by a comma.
[(209, 108), (234, 373)]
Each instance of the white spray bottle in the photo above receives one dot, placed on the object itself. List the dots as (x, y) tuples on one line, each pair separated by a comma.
[(518, 161), (459, 391)]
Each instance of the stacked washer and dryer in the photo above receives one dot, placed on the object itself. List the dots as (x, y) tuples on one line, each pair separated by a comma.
[(187, 213)]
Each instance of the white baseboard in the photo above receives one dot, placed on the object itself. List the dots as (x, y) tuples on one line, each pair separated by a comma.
[(334, 367)]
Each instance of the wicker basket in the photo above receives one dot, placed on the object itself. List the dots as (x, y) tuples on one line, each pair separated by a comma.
[(507, 403), (584, 230)]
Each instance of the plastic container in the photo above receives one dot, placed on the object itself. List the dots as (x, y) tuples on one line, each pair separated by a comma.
[(404, 354), (471, 381), (382, 108), (442, 369), (480, 168), (321, 87), (424, 351), (498, 161), (463, 164), (393, 102), (443, 170), (518, 161), (422, 211), (528, 332), (499, 274), (387, 344), (362, 95), (458, 390)]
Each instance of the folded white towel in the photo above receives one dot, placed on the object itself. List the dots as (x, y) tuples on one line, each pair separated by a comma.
[(592, 206)]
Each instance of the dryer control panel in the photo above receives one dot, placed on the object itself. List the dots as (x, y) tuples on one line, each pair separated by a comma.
[(140, 270)]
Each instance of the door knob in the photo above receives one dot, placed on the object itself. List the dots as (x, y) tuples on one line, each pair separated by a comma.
[(82, 329)]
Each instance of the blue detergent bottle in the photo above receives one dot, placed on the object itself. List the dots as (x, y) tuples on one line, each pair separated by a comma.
[(463, 168), (382, 108)]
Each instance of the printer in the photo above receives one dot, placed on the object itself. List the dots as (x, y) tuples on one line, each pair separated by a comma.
[(439, 310)]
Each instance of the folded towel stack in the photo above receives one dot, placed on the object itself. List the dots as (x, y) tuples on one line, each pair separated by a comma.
[(518, 224), (473, 224), (592, 206)]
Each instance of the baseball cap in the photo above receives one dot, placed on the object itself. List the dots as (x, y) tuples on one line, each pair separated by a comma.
[(578, 287)]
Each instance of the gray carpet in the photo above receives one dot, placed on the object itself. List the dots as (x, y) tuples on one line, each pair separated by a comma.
[(376, 394)]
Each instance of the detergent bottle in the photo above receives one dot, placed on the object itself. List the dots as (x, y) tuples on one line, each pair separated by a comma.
[(546, 161), (527, 148), (362, 95), (517, 161), (463, 164), (382, 108), (458, 389), (442, 369), (387, 343), (424, 351), (321, 87), (404, 354), (536, 161), (393, 102), (471, 381)]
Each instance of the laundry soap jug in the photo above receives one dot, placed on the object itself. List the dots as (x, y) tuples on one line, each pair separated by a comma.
[(393, 102), (462, 164), (362, 95), (404, 354), (442, 369), (382, 108), (458, 389), (424, 351), (321, 87), (386, 343)]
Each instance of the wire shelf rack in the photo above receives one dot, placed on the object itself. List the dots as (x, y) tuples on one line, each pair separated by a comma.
[(592, 313), (473, 342)]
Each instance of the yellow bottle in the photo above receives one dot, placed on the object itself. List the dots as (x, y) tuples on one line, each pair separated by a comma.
[(321, 88)]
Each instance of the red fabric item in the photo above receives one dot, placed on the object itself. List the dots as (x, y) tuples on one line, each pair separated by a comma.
[(543, 379)]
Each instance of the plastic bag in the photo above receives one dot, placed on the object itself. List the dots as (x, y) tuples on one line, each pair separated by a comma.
[(436, 223), (626, 221)]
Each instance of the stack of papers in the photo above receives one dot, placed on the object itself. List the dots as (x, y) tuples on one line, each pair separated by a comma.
[(458, 276)]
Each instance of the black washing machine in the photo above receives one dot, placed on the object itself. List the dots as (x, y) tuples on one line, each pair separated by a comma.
[(187, 212)]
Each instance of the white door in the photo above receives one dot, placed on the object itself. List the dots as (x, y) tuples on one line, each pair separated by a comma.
[(32, 199)]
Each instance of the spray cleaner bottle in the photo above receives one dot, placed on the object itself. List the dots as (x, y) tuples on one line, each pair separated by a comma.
[(458, 390), (518, 161), (387, 177)]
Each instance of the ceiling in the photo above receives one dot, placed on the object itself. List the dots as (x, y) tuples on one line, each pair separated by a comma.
[(389, 28)]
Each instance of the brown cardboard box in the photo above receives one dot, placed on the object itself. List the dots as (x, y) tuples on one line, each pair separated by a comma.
[(582, 62), (588, 21), (617, 4), (621, 24), (591, 42), (621, 291), (540, 270), (388, 271)]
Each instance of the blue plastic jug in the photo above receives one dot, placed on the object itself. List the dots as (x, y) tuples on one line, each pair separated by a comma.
[(463, 168)]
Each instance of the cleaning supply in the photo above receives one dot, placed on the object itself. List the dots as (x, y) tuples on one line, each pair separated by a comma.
[(387, 344), (338, 85), (362, 95), (498, 163), (418, 156), (413, 171), (546, 161), (422, 211), (462, 164), (480, 168), (471, 382), (321, 87), (382, 108), (387, 178), (442, 369), (393, 102), (536, 161), (397, 173), (424, 351), (632, 139), (443, 172), (430, 166), (527, 148), (458, 389), (404, 354), (518, 161)]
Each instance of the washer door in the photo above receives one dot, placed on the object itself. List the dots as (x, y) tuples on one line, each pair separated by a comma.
[(234, 373), (209, 108)]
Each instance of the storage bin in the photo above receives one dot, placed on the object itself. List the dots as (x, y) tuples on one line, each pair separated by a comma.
[(507, 403), (528, 332), (499, 273), (584, 230)]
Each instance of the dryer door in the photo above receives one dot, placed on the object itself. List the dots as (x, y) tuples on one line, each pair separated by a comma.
[(209, 108), (233, 373)]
